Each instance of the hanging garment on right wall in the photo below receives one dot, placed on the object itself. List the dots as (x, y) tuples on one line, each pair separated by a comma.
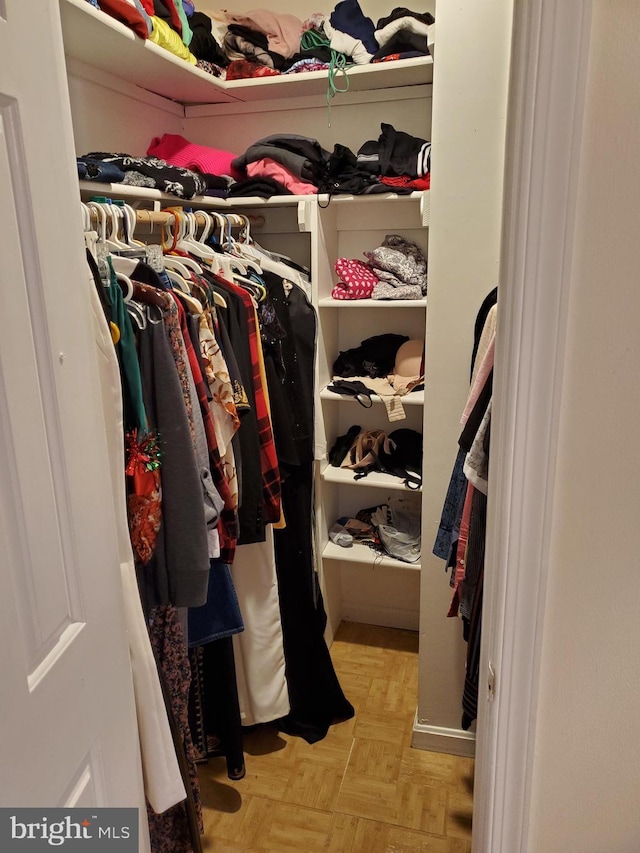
[(462, 531)]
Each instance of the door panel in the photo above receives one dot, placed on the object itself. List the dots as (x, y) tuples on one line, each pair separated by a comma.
[(68, 731)]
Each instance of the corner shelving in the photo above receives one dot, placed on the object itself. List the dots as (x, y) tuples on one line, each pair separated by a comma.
[(93, 37), (96, 39)]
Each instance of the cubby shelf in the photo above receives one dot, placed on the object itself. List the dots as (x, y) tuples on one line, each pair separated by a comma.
[(345, 477), (364, 556), (329, 302), (415, 398)]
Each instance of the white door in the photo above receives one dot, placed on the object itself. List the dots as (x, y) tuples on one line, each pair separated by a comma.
[(67, 720)]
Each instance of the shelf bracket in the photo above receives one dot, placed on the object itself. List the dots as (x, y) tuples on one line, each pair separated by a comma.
[(425, 208), (305, 216)]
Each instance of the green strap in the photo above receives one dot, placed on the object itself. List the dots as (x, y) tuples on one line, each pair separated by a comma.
[(337, 65)]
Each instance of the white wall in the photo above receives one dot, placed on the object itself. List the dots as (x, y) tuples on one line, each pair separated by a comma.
[(587, 763), (118, 116), (355, 118), (469, 104)]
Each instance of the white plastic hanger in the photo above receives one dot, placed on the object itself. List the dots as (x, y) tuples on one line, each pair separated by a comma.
[(126, 280), (116, 215), (104, 215), (179, 263), (177, 279), (187, 238), (175, 263), (132, 221)]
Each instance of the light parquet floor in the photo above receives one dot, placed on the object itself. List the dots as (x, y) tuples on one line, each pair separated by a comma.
[(360, 790)]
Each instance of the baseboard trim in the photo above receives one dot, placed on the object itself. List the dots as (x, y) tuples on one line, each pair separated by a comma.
[(439, 739), (388, 617)]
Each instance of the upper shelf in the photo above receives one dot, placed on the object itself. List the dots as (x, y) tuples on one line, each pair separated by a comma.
[(134, 194), (100, 41)]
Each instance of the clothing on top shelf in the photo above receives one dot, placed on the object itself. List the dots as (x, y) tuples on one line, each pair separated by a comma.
[(262, 42), (127, 14)]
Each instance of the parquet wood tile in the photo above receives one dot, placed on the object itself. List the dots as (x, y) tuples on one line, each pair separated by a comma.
[(292, 829), (459, 815), (360, 790), (351, 834)]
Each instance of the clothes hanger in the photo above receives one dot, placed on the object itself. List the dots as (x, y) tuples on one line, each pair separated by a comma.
[(189, 263), (124, 279), (137, 314), (178, 280), (132, 221), (101, 216), (116, 214), (188, 243), (230, 245), (175, 264)]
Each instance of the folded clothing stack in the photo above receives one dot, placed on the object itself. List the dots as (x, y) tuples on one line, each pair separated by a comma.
[(145, 172), (397, 159), (357, 279), (403, 34), (400, 267), (391, 530), (395, 270)]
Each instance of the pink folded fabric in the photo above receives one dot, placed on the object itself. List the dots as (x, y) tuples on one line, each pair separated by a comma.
[(268, 168), (357, 277), (180, 152), (283, 32)]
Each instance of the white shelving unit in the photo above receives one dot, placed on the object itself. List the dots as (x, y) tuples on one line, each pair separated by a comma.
[(360, 584)]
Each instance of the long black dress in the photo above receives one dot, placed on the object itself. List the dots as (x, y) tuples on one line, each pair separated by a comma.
[(288, 329)]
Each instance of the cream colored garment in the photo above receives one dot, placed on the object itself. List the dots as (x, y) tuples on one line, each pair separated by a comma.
[(162, 780), (344, 43), (481, 375), (258, 650), (283, 31), (390, 396), (488, 331)]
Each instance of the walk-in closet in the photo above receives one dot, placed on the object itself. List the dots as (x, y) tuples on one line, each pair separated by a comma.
[(311, 693)]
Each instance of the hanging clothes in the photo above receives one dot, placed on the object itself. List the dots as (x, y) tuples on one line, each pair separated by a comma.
[(315, 695), (164, 786), (461, 534), (219, 389)]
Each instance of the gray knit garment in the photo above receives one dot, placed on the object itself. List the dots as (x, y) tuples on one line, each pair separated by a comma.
[(405, 267)]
